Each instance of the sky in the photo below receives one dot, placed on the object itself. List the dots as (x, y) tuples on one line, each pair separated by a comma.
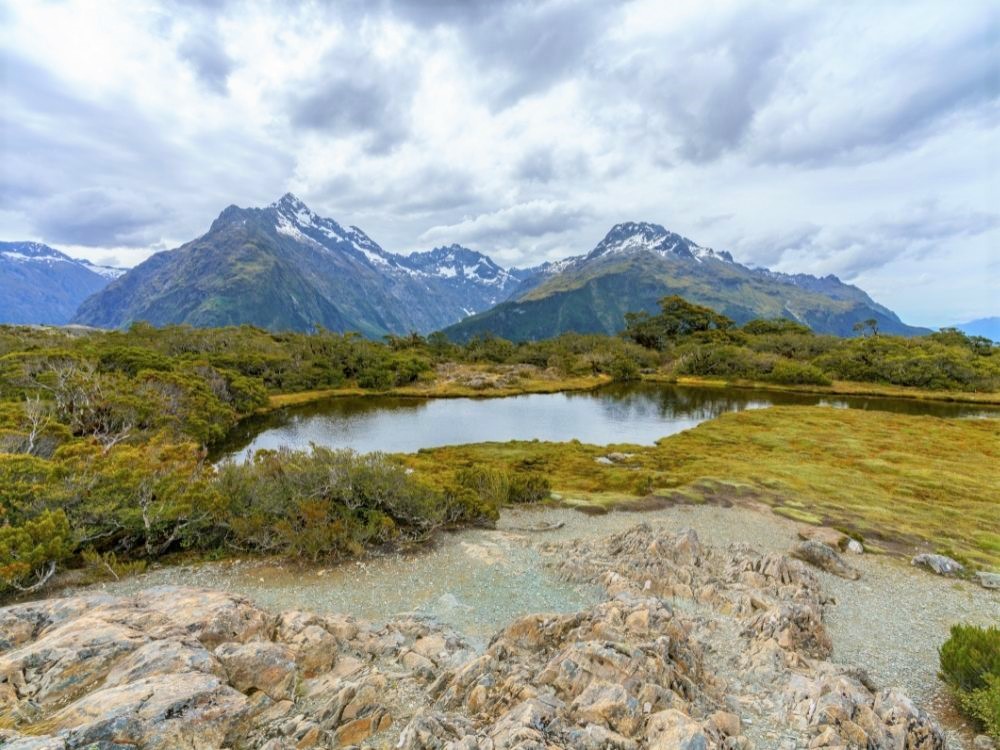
[(853, 138)]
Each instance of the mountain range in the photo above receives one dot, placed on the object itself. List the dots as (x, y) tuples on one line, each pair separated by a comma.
[(986, 327), (637, 263), (42, 285), (284, 267)]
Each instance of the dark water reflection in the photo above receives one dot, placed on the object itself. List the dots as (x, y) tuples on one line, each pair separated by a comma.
[(640, 413)]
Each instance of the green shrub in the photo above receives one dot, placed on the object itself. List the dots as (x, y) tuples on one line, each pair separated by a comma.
[(528, 487), (644, 485), (30, 552), (984, 705), (322, 502), (970, 664), (622, 369), (790, 372), (492, 486), (969, 655)]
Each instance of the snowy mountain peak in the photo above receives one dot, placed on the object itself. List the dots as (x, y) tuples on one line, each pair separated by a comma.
[(641, 236), (458, 262), (294, 219), (289, 201), (32, 251)]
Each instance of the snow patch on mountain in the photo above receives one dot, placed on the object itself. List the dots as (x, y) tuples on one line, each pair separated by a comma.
[(633, 237)]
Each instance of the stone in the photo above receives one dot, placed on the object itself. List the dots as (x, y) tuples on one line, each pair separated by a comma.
[(164, 657), (68, 659), (213, 617), (726, 722), (157, 713), (854, 547), (988, 580), (259, 665), (608, 705), (825, 558), (939, 564), (673, 730), (823, 535), (982, 742)]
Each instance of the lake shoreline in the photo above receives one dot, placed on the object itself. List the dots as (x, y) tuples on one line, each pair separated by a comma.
[(280, 401)]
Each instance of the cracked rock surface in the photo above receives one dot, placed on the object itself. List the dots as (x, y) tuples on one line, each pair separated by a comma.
[(692, 646)]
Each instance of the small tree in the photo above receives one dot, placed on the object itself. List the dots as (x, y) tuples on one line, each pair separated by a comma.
[(677, 318)]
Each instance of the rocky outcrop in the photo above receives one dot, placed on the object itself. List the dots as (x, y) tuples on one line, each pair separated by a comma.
[(942, 565), (692, 648), (825, 558)]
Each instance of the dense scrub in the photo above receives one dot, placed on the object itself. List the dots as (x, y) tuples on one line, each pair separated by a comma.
[(694, 340), (103, 435), (970, 664)]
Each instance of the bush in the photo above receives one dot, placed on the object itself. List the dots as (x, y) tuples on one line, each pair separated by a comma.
[(497, 487), (790, 372), (491, 486), (322, 503), (30, 552), (984, 705), (970, 664), (528, 487), (622, 369)]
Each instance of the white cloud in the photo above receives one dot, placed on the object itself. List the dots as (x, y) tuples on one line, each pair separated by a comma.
[(815, 137)]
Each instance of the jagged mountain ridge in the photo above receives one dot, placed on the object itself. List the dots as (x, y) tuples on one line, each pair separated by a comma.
[(637, 263), (42, 285), (284, 267)]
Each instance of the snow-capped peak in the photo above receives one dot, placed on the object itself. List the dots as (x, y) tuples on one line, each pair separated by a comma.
[(633, 237), (36, 252), (456, 261), (293, 218)]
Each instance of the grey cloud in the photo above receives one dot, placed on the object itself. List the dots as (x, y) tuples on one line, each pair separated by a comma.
[(770, 248), (712, 220), (203, 50), (923, 230), (543, 165), (505, 227), (64, 154), (913, 90), (703, 84), (432, 190), (526, 47), (351, 93), (441, 12), (96, 216)]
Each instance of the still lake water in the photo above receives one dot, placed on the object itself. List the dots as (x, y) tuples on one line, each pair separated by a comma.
[(639, 414)]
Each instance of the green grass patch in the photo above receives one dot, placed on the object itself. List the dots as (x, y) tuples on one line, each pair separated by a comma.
[(902, 481)]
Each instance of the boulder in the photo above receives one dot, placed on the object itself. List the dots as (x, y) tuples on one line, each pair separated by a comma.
[(157, 713), (67, 660), (259, 665), (825, 558), (939, 564), (988, 580), (213, 617), (823, 535), (673, 730)]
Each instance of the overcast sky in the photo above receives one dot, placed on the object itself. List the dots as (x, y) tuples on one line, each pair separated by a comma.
[(859, 139)]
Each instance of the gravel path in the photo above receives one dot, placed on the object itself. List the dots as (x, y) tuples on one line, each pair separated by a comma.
[(890, 622)]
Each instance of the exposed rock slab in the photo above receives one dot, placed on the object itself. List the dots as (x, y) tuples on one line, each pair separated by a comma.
[(693, 647)]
